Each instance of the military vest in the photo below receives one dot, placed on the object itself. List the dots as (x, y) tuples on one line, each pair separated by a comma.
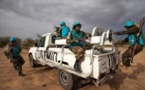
[(74, 36), (64, 31), (15, 50), (132, 39)]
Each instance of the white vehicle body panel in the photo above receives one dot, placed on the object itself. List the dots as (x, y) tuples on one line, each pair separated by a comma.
[(94, 64)]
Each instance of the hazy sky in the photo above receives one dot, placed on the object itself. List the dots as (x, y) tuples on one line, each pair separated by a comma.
[(26, 18)]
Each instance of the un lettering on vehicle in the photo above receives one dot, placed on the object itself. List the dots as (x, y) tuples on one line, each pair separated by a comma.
[(48, 55), (51, 55)]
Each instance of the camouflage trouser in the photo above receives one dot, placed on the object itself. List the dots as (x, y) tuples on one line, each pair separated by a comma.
[(128, 53), (79, 52), (17, 63)]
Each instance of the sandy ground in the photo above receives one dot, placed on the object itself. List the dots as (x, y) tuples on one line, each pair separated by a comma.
[(45, 78)]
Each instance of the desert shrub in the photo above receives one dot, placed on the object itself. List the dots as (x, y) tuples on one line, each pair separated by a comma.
[(4, 41), (27, 43)]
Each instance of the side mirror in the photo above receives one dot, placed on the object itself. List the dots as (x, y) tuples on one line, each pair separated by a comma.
[(36, 44)]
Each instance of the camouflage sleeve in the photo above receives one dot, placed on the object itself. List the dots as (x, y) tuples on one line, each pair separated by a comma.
[(86, 35), (7, 51), (133, 30)]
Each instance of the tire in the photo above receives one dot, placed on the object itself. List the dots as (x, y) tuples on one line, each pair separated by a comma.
[(66, 80), (31, 61)]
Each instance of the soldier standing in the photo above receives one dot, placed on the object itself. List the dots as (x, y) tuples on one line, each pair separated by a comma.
[(12, 51), (132, 29)]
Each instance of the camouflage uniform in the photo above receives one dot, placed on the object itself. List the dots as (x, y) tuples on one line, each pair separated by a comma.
[(78, 50), (17, 61), (127, 55)]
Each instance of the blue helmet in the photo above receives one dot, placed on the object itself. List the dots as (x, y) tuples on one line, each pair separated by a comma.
[(12, 39), (75, 23), (129, 23), (62, 23)]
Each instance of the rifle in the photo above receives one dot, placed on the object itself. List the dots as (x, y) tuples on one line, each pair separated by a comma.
[(137, 39), (57, 29), (77, 39), (85, 43)]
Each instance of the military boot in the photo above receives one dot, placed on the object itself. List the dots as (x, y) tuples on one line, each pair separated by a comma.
[(21, 74), (77, 67), (127, 63)]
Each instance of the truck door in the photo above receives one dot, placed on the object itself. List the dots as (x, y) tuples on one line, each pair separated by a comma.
[(41, 49)]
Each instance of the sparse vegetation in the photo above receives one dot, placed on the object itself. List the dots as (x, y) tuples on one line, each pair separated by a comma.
[(27, 43), (4, 41)]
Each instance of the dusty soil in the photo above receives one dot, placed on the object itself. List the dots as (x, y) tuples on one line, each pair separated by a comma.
[(45, 78)]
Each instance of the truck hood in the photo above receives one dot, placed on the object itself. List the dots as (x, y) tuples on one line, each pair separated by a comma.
[(32, 49)]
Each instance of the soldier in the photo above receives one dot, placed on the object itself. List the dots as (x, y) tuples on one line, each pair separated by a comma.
[(132, 29), (76, 45), (12, 51), (64, 30)]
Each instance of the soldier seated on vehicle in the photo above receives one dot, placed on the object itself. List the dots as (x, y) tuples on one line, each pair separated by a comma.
[(63, 31), (76, 44)]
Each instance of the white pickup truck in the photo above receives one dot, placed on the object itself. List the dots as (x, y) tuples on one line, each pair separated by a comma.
[(100, 63)]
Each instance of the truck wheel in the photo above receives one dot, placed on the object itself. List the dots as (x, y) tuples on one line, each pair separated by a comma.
[(31, 61), (66, 80)]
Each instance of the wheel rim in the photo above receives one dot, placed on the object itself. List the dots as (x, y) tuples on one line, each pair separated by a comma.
[(64, 78)]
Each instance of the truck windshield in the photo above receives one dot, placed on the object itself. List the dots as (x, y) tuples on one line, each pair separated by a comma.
[(42, 42)]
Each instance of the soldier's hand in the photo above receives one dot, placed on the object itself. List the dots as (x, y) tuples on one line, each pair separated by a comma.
[(69, 41), (76, 41), (89, 34)]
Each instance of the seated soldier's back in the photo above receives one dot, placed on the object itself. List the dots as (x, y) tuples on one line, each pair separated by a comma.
[(65, 31)]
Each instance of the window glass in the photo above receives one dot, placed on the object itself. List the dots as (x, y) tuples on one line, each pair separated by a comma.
[(55, 38), (42, 42)]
